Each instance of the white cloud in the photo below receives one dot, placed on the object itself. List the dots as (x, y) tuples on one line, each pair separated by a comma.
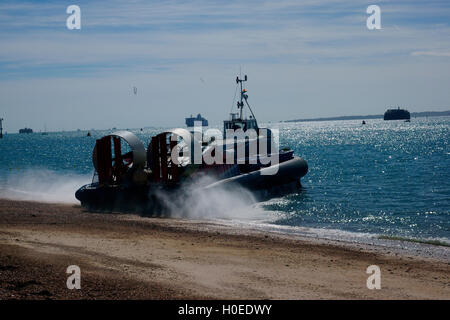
[(431, 53)]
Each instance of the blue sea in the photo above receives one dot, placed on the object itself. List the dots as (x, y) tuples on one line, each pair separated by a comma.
[(384, 178)]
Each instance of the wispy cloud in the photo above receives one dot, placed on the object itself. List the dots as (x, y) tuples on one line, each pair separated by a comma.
[(431, 53), (142, 34)]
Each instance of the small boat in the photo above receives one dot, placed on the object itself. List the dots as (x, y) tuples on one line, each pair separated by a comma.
[(138, 178), (26, 130), (363, 122)]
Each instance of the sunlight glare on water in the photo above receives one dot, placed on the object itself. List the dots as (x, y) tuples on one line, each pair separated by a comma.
[(385, 177)]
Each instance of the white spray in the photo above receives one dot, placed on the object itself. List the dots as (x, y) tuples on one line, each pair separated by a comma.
[(42, 185), (195, 202)]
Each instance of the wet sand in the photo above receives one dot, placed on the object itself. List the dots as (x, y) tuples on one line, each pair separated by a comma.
[(125, 256)]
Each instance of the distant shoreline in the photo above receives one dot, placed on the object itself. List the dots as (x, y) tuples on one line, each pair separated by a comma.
[(375, 116)]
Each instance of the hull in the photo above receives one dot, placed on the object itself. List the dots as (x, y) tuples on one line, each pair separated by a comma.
[(285, 173), (147, 199)]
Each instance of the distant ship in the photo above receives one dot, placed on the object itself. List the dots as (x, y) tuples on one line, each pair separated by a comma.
[(397, 114), (1, 128), (191, 121), (26, 130)]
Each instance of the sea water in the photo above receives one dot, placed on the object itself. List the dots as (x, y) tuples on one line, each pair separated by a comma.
[(384, 178)]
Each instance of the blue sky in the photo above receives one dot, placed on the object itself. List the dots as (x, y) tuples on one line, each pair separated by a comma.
[(304, 59)]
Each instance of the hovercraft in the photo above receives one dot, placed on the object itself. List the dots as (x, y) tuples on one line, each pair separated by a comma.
[(130, 177)]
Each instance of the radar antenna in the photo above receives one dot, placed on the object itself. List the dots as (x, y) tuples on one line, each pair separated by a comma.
[(244, 96)]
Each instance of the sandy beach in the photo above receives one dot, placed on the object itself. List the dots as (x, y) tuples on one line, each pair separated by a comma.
[(123, 256)]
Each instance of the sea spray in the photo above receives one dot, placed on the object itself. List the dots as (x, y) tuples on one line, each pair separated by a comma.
[(42, 185), (198, 202)]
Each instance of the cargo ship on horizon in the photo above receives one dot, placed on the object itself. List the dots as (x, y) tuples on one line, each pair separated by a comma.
[(190, 122), (397, 114)]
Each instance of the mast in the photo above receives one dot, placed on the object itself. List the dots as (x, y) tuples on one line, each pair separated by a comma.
[(244, 96), (240, 104)]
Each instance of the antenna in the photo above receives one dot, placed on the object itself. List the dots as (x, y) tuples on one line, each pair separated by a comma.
[(240, 104), (244, 96)]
